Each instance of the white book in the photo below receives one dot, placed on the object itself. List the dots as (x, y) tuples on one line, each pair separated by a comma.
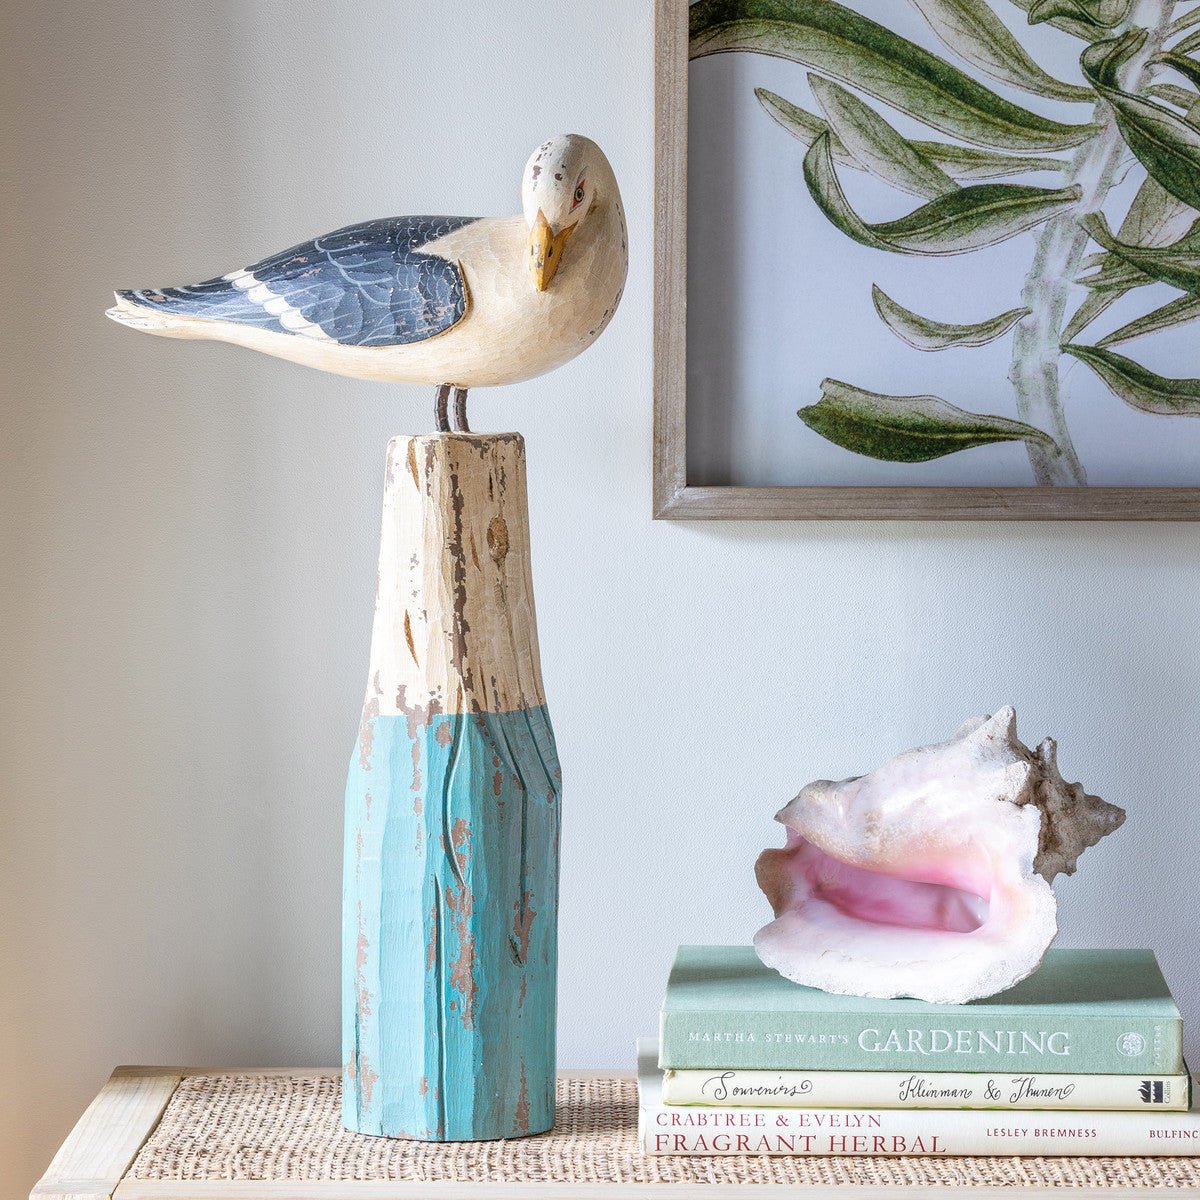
[(677, 1129), (908, 1089)]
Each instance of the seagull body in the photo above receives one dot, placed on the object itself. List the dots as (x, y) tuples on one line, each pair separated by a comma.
[(445, 301)]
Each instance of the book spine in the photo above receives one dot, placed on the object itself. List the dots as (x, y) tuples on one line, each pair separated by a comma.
[(942, 1090), (896, 1132), (958, 1042)]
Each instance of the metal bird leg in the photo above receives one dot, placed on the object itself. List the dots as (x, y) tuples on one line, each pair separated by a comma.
[(439, 408), (460, 410)]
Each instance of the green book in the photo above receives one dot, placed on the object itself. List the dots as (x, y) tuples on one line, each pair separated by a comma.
[(1093, 1012)]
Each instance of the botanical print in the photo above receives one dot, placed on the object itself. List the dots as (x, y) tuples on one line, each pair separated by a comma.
[(1113, 210)]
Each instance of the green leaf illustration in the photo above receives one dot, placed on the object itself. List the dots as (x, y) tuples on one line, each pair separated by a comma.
[(955, 223), (1138, 387), (875, 145), (908, 429), (837, 41), (1187, 67), (967, 162), (1179, 311), (1093, 15), (1102, 61), (978, 36), (1163, 142), (923, 333), (1184, 21), (1081, 29), (1154, 218), (804, 126), (1172, 94), (1115, 278), (1094, 304), (1177, 264), (959, 162), (1189, 43)]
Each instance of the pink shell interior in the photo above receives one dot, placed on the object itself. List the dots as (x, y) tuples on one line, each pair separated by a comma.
[(950, 896)]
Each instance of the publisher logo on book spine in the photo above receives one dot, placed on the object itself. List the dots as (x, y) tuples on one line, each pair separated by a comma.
[(1153, 1091), (1131, 1045)]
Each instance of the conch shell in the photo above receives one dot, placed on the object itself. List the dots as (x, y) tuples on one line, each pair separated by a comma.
[(929, 877)]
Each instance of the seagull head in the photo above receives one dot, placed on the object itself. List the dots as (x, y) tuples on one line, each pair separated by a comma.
[(557, 193)]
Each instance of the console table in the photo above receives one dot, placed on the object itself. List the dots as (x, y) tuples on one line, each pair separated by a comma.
[(173, 1134)]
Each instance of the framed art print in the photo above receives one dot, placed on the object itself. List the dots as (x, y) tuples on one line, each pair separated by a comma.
[(927, 258)]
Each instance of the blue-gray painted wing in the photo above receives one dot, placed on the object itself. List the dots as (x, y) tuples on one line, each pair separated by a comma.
[(365, 285)]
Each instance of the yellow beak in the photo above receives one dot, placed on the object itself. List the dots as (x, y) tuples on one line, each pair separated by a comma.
[(545, 250)]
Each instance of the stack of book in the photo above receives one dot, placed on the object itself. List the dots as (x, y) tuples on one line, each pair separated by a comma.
[(1083, 1057)]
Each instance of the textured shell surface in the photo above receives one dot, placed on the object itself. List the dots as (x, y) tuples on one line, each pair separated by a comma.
[(930, 876)]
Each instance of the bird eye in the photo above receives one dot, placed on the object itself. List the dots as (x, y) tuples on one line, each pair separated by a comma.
[(578, 197)]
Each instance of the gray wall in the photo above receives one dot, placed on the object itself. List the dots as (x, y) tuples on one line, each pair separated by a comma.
[(189, 538)]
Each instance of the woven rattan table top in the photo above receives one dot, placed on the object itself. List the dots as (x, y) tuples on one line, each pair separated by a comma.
[(279, 1134)]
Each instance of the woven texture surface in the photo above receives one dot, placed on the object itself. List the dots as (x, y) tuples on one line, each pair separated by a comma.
[(282, 1127)]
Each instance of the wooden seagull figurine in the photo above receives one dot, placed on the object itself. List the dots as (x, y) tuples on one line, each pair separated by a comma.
[(453, 302)]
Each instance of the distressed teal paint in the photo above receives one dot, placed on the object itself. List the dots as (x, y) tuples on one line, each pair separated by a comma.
[(450, 926)]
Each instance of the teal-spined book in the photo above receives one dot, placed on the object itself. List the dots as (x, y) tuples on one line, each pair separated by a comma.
[(1101, 1012)]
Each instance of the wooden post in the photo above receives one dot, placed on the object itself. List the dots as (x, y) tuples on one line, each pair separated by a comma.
[(452, 813)]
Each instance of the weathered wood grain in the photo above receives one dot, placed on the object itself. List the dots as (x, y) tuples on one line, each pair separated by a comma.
[(931, 503), (455, 628), (452, 813), (670, 253), (105, 1140)]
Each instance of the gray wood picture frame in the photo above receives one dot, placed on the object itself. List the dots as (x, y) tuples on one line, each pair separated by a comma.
[(676, 499)]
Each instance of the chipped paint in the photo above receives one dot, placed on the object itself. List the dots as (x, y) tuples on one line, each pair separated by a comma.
[(366, 732), (366, 1080), (462, 975), (523, 923), (364, 993), (459, 626), (408, 637), (431, 938), (479, 1008), (452, 814), (497, 540), (521, 1127), (460, 536)]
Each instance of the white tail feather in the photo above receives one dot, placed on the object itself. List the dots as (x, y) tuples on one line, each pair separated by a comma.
[(150, 320)]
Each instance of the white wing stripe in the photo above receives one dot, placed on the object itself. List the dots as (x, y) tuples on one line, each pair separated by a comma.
[(289, 316)]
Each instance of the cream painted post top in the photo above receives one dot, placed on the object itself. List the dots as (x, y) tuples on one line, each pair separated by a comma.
[(459, 633)]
